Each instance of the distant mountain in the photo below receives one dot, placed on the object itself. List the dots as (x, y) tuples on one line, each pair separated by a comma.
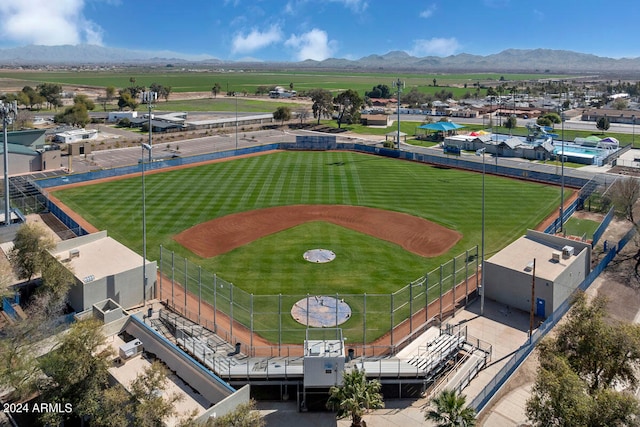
[(89, 54), (510, 60)]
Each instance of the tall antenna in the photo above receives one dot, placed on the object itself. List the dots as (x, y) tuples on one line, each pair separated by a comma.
[(8, 112), (398, 84)]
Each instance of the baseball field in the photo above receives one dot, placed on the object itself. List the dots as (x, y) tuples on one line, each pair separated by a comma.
[(197, 211)]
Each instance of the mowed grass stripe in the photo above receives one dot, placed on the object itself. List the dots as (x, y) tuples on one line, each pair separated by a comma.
[(449, 197)]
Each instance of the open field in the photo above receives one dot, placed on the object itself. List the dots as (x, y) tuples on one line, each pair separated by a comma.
[(178, 200), (203, 81)]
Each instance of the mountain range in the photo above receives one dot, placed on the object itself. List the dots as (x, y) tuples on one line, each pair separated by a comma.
[(512, 60)]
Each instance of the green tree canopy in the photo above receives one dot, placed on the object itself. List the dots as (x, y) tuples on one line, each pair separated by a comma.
[(587, 372), (603, 124), (322, 103), (348, 104), (76, 371), (30, 250), (283, 114), (355, 396), (244, 415), (379, 91)]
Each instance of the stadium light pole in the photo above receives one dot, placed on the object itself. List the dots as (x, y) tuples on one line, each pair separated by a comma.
[(562, 173), (8, 111), (149, 97), (235, 95), (481, 152), (533, 294), (399, 85), (633, 130)]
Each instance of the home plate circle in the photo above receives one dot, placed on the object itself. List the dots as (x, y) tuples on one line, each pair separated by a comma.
[(319, 256), (321, 311)]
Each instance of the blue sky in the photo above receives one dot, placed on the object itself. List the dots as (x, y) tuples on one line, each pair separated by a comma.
[(294, 30)]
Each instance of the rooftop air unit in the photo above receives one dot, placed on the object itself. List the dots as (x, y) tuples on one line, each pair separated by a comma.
[(567, 251), (555, 256)]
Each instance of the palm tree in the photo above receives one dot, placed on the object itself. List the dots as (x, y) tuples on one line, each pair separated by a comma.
[(449, 410), (355, 396)]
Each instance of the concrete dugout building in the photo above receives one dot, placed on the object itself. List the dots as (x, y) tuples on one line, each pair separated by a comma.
[(560, 266), (104, 269)]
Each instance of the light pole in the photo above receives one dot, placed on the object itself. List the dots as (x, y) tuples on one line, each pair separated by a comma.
[(399, 85), (235, 95), (149, 97), (533, 296), (633, 130), (481, 152), (562, 174), (8, 111)]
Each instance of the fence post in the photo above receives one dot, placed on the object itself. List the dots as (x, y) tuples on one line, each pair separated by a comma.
[(307, 310), (186, 281), (173, 279), (251, 352), (364, 322), (279, 323), (337, 301), (159, 293), (215, 302), (231, 311), (426, 297), (453, 289), (410, 308), (392, 319), (441, 268), (466, 277), (199, 293)]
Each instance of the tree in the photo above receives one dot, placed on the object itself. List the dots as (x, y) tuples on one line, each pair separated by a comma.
[(355, 396), (30, 250), (127, 100), (75, 115), (414, 98), (302, 113), (283, 114), (322, 103), (85, 100), (379, 91), (77, 372), (19, 370), (624, 194), (511, 122), (348, 105), (215, 90), (52, 93), (245, 415), (603, 124), (150, 407), (586, 370), (113, 409), (162, 91), (56, 279), (449, 410)]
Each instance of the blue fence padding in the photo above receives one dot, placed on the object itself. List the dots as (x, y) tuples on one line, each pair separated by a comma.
[(523, 352), (602, 227), (8, 308)]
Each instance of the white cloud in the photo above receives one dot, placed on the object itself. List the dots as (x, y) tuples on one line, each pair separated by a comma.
[(314, 44), (355, 5), (428, 12), (256, 40), (435, 46), (47, 22)]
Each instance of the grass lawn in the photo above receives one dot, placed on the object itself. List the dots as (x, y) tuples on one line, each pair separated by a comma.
[(180, 199), (578, 227)]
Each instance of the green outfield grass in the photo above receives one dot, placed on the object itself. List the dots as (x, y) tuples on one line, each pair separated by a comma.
[(180, 199)]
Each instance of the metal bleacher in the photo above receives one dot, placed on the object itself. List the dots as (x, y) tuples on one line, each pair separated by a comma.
[(432, 358)]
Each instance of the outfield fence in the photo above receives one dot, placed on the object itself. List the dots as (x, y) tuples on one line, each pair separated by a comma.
[(264, 324)]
